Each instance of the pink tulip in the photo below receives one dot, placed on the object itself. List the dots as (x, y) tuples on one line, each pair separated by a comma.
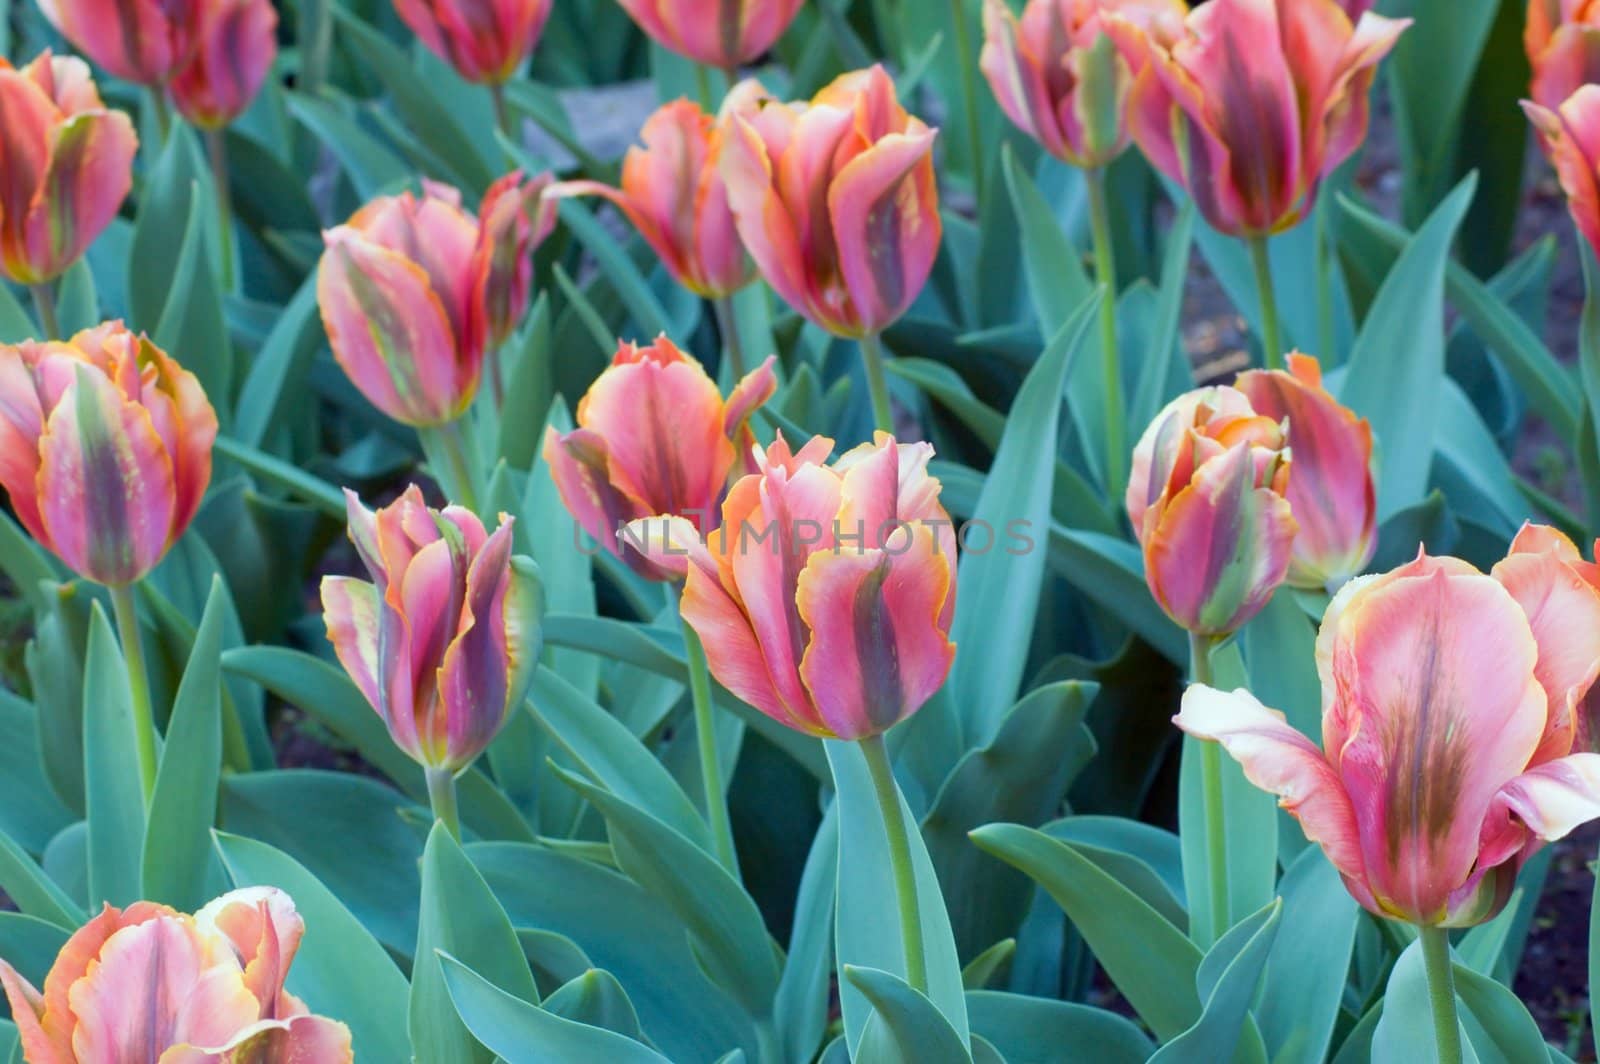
[(673, 193), (1206, 499), (1531, 554), (1331, 493), (724, 34), (1254, 102), (825, 598), (66, 164), (145, 981), (143, 41), (444, 640), (654, 437), (1570, 135), (1562, 38), (105, 449), (836, 199), (1057, 75), (485, 40), (515, 218), (1446, 738), (234, 45)]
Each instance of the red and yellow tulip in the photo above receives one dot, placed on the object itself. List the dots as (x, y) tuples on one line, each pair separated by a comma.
[(233, 46), (723, 34), (1570, 135), (1562, 39), (485, 40)]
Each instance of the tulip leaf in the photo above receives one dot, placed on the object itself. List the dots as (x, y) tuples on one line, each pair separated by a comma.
[(191, 322), (16, 325), (77, 303), (161, 236), (982, 970), (1404, 1031), (30, 945), (597, 999), (1033, 1030), (24, 562), (1144, 859), (801, 1005), (1227, 980), (1110, 572), (530, 386), (279, 368), (114, 799), (340, 969), (10, 1042), (906, 1027), (1589, 375), (371, 166), (1309, 963), (649, 316), (31, 813), (1165, 360), (1594, 955), (31, 890), (1497, 1022), (1471, 468)]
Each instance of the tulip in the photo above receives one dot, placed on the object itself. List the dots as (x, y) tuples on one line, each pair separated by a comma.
[(67, 164), (515, 219), (105, 449), (485, 40), (825, 598), (1254, 102), (444, 640), (1331, 493), (144, 981), (726, 34), (1570, 135), (143, 41), (1207, 501), (1535, 550), (234, 45), (654, 436), (1562, 39)]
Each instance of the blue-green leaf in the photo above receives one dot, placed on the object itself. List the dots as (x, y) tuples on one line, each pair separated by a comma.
[(113, 794)]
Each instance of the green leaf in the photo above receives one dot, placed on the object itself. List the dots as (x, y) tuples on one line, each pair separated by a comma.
[(1405, 1029), (1589, 374), (191, 322), (631, 286), (530, 385), (1309, 962), (279, 368), (1498, 1024), (907, 1028), (1151, 392), (16, 324), (78, 305), (597, 999), (30, 945), (25, 563), (459, 916), (1228, 978), (1033, 1030), (807, 981), (982, 969), (161, 232), (31, 814), (33, 892), (372, 167), (1145, 859), (1110, 572), (113, 795)]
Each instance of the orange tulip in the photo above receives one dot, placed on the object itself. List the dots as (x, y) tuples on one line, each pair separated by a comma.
[(1570, 135), (1562, 39), (724, 34)]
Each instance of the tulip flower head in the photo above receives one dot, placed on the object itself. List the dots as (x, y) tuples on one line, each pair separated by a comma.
[(724, 34), (654, 436), (485, 40), (444, 640), (143, 41), (1446, 739), (66, 163), (105, 449), (1562, 39), (144, 981), (1207, 500), (1533, 551), (825, 598), (1570, 135), (673, 193), (1253, 102), (1331, 493), (233, 48), (1058, 76), (835, 199)]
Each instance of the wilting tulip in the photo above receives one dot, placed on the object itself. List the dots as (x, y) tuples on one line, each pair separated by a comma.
[(66, 163), (143, 41), (234, 45), (485, 40), (673, 193), (1254, 102), (147, 981), (836, 199), (1057, 75), (105, 449), (1570, 135), (1445, 756), (725, 34), (825, 598), (654, 436), (1331, 493), (1206, 499), (1562, 38), (444, 640)]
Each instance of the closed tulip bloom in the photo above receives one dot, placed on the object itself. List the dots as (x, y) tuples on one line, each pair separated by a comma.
[(1532, 552), (147, 981), (1253, 102), (723, 33), (234, 45), (105, 449), (66, 164), (1570, 135), (485, 40), (515, 218), (1059, 78), (1562, 39), (654, 436), (1445, 760), (825, 598), (1207, 501), (444, 639), (835, 199), (143, 41), (1331, 493), (673, 193)]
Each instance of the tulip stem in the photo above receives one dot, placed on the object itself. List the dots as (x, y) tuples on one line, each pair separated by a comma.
[(705, 727), (217, 152), (1441, 992), (905, 876), (442, 799), (502, 112), (1105, 265), (969, 89), (702, 84), (144, 723), (877, 384), (1271, 339), (452, 467), (44, 301), (158, 107), (728, 327), (1211, 791), (316, 40)]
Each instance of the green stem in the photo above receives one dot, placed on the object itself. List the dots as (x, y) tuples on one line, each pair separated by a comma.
[(705, 727), (969, 89), (217, 152), (702, 84), (1441, 992), (1211, 791), (44, 301), (905, 876), (1105, 265), (497, 379), (315, 43), (144, 723), (877, 384), (502, 112), (158, 106), (442, 799), (1271, 339), (728, 327), (456, 477)]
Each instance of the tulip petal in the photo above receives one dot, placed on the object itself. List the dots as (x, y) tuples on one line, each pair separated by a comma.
[(21, 426), (27, 1010), (580, 467), (1571, 138), (350, 609), (1552, 799), (474, 680), (1564, 613), (234, 48)]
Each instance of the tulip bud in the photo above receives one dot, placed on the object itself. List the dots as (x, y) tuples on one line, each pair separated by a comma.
[(1562, 39), (1253, 102), (825, 598), (143, 41), (1570, 136), (105, 449), (515, 219), (445, 639), (654, 437), (67, 164), (725, 34), (1332, 492), (485, 40), (1207, 502), (234, 45), (836, 200)]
